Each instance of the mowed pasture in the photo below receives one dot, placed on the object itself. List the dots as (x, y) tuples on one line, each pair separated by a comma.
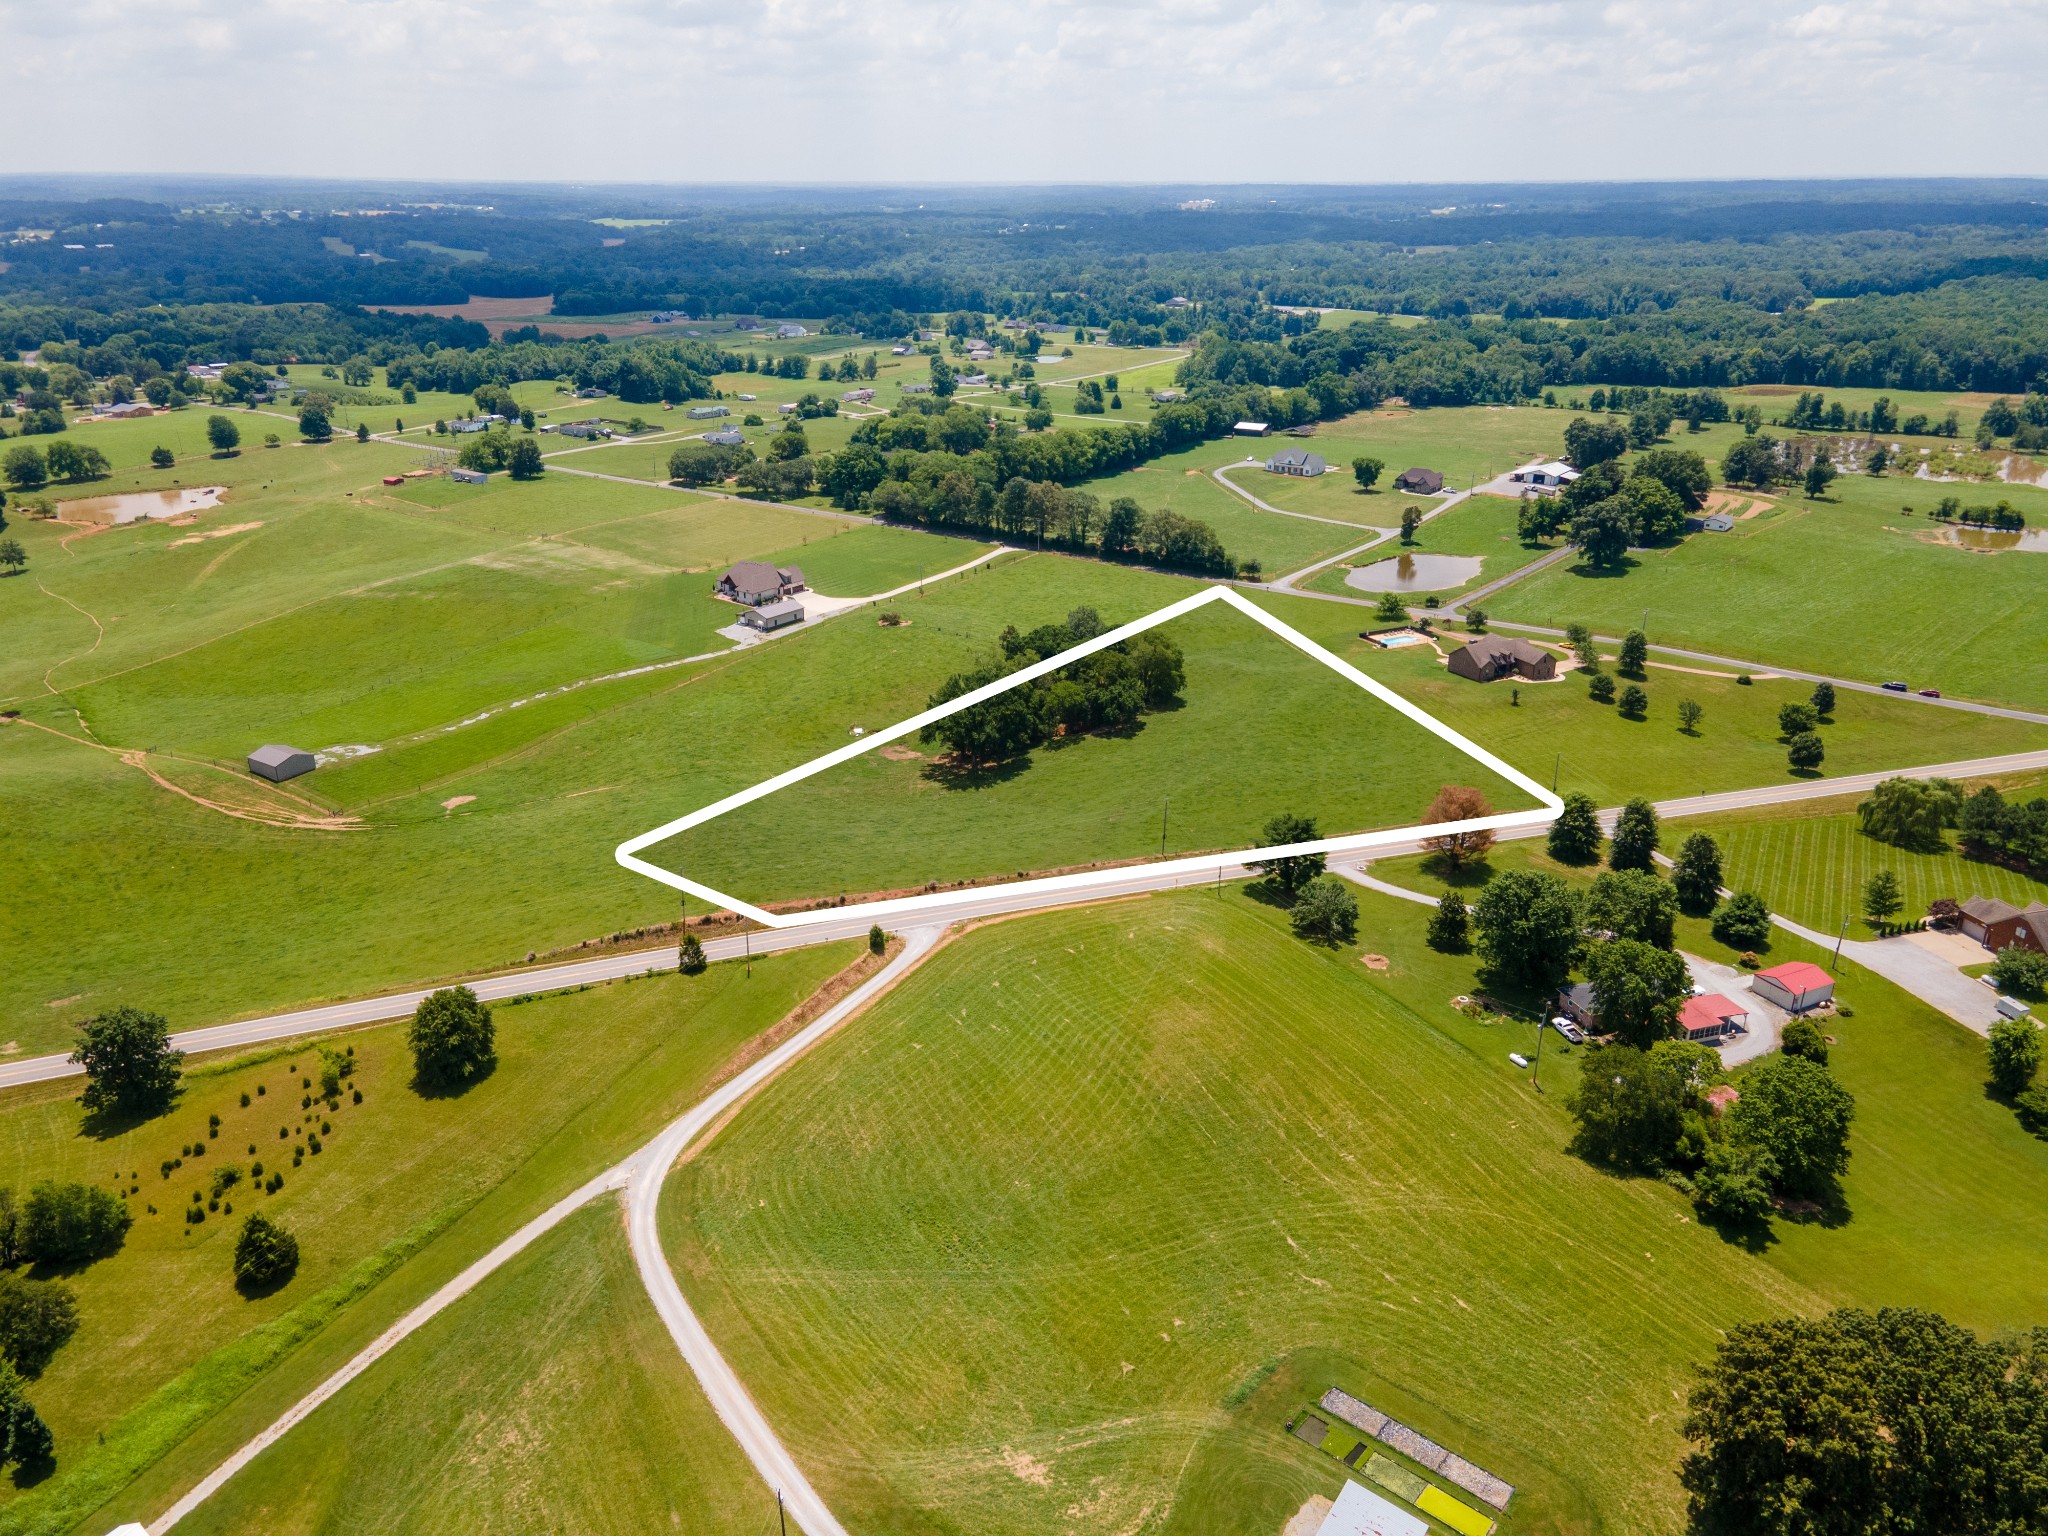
[(1262, 730), (1850, 585), (552, 1398), (1555, 728), (171, 1368), (1813, 862), (1068, 1194)]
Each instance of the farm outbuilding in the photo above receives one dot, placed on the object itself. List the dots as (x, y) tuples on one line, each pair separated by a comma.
[(1712, 1018), (772, 616), (280, 763), (1795, 986)]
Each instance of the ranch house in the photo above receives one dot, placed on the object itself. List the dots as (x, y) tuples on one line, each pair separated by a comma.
[(1491, 657), (755, 582), (1422, 482), (1296, 461), (707, 412), (725, 437), (1996, 924)]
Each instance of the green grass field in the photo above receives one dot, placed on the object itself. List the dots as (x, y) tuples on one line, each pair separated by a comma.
[(1157, 1145), (1850, 586), (552, 1398), (1086, 1173), (1263, 730), (171, 1368), (1813, 862), (1546, 728)]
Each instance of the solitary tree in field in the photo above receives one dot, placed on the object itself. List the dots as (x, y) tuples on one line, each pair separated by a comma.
[(1454, 850), (1411, 520), (266, 1254), (1635, 836), (362, 431), (1823, 700), (12, 555), (1635, 651), (130, 1068), (1366, 472), (1575, 836), (314, 423), (452, 1038), (1325, 913), (1390, 609), (1448, 927), (524, 463), (1475, 620), (1882, 897), (1696, 874), (1806, 751), (1689, 716), (161, 457)]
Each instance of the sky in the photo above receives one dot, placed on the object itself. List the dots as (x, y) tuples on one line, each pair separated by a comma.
[(868, 91)]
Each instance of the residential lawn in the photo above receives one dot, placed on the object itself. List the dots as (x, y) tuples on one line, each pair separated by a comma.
[(1546, 728), (551, 1398), (1263, 731), (1943, 1203), (1849, 586), (174, 1368), (1483, 526), (1087, 1173), (1812, 862), (1181, 482)]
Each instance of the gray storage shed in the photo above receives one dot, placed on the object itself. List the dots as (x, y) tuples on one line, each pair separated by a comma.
[(280, 763)]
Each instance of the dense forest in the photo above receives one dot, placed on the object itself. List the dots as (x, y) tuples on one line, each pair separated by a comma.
[(1936, 285)]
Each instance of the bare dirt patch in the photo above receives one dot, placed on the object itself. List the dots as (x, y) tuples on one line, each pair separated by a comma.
[(212, 533), (902, 754), (1309, 1517), (1026, 1468), (454, 800), (1375, 962)]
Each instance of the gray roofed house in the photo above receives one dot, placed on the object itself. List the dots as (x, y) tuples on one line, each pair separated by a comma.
[(1424, 482), (776, 615), (280, 763), (707, 412), (725, 437), (755, 582), (468, 476), (1296, 461), (1493, 656)]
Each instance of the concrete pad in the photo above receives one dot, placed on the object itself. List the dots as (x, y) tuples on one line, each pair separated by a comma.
[(1957, 949)]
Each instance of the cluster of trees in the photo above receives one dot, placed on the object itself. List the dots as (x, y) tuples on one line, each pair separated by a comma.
[(1869, 1424), (1812, 412), (1321, 908), (28, 468), (1915, 814), (501, 448), (2015, 1057), (2001, 514), (1107, 690), (1051, 515), (1741, 922), (1605, 512)]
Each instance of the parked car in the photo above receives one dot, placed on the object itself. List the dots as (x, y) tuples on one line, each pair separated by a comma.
[(1896, 688), (1930, 693), (1569, 1030)]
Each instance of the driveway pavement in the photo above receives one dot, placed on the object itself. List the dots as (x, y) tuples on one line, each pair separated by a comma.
[(1766, 1020)]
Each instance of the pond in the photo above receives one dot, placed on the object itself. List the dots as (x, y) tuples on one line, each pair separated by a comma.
[(1414, 573), (134, 506), (1992, 538)]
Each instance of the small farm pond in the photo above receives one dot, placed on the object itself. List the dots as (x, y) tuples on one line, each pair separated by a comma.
[(1414, 573), (134, 506), (1992, 538)]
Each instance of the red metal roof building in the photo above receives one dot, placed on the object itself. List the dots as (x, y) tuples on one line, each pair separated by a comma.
[(1797, 985)]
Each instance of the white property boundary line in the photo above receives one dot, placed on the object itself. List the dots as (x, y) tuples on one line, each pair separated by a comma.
[(628, 852)]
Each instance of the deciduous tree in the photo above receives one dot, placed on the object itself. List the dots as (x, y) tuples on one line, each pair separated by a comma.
[(266, 1254), (1527, 922), (1806, 751), (1633, 904), (1689, 716), (223, 434), (1696, 874), (453, 1040), (1575, 837), (1366, 472), (1795, 1111), (130, 1068), (2015, 1055), (1325, 912), (1448, 928), (1743, 921), (1454, 850), (1293, 871), (1635, 836), (1637, 988)]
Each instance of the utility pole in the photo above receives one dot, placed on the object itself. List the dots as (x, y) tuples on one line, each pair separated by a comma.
[(1838, 943), (1165, 807), (1554, 767), (1536, 1077), (747, 938), (781, 1519)]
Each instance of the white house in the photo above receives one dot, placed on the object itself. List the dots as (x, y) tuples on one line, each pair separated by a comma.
[(1293, 460), (790, 332)]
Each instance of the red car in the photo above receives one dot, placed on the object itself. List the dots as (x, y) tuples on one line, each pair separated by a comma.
[(1930, 693)]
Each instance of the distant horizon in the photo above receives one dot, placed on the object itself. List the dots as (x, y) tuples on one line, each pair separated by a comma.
[(1038, 93)]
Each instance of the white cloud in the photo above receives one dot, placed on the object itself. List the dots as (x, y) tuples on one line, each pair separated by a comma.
[(1026, 90)]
